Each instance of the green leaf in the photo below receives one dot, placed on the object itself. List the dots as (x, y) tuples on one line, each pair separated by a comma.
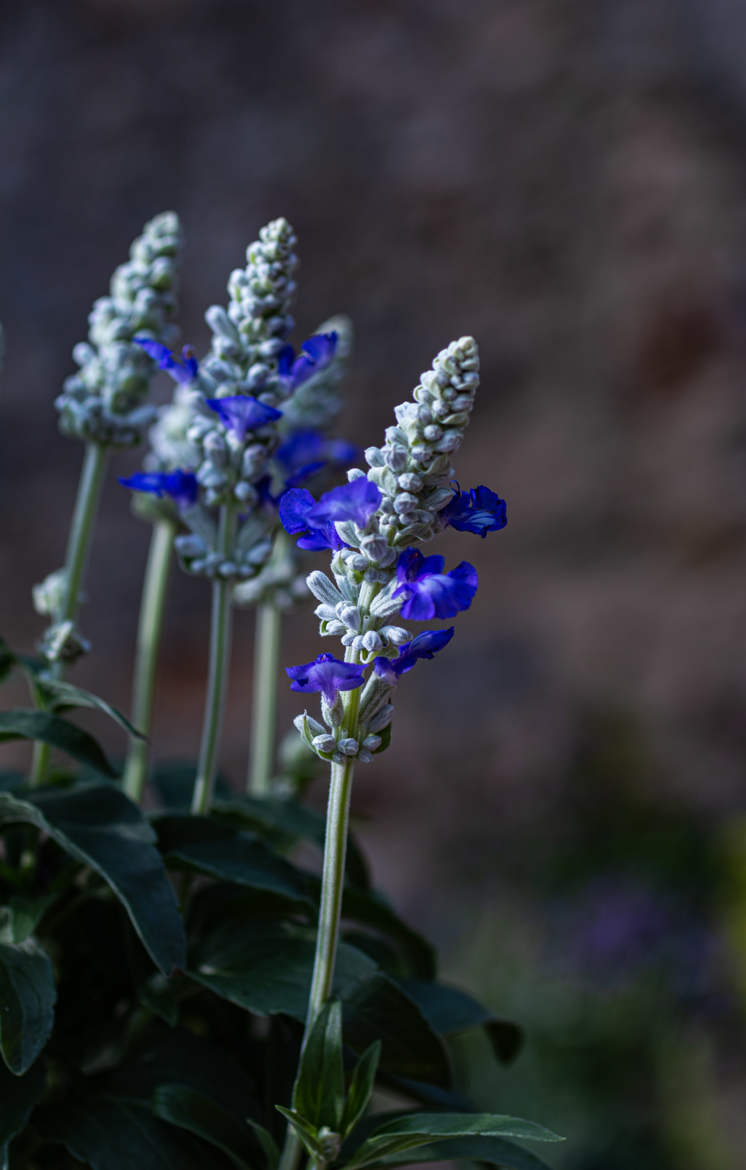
[(491, 1150), (57, 732), (197, 1113), (18, 1098), (361, 1087), (27, 996), (267, 1142), (285, 819), (266, 968), (110, 1134), (319, 1093), (411, 1130), (205, 846), (369, 908), (306, 1132), (64, 696), (99, 826), (450, 1011), (25, 913)]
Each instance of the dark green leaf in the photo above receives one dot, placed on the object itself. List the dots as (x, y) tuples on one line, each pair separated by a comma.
[(208, 847), (285, 819), (57, 732), (109, 1134), (197, 1113), (306, 1132), (369, 908), (267, 1142), (63, 696), (27, 997), (99, 826), (491, 1150), (411, 1130), (450, 1011), (320, 1088), (173, 782), (266, 968), (361, 1087), (25, 913), (18, 1097)]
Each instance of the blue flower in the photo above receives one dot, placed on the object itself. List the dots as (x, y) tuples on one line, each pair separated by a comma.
[(295, 507), (425, 645), (317, 354), (299, 512), (305, 452), (182, 371), (479, 510), (181, 486), (326, 674), (240, 413), (428, 591)]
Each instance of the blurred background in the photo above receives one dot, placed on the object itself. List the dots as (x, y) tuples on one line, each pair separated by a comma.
[(563, 804)]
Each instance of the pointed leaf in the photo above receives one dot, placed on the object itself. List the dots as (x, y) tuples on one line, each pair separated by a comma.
[(306, 1132), (450, 1011), (267, 1142), (27, 997), (490, 1150), (411, 1130), (99, 826), (361, 1087), (266, 968), (197, 1113), (320, 1088), (18, 1098), (203, 845), (63, 696), (57, 732), (110, 1134)]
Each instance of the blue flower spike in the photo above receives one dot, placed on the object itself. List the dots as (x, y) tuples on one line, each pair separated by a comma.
[(183, 371), (429, 592), (180, 486), (425, 645), (317, 353), (326, 674), (240, 413), (480, 511)]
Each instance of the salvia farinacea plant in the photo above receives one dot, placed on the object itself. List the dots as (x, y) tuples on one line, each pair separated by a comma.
[(177, 989)]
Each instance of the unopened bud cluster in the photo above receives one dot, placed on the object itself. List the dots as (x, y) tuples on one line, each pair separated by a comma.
[(413, 468), (105, 401)]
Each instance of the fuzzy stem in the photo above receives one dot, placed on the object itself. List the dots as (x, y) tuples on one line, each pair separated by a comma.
[(149, 630), (332, 883), (220, 639), (78, 541), (264, 710)]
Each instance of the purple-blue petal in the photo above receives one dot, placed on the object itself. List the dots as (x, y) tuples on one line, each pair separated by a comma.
[(425, 645), (357, 501), (240, 413), (428, 591), (293, 508), (181, 486), (480, 511), (326, 674)]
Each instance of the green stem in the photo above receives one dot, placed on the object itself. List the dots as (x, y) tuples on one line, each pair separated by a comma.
[(149, 630), (332, 883), (78, 541), (220, 638), (264, 710)]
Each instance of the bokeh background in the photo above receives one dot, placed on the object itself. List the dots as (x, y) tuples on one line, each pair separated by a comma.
[(563, 806)]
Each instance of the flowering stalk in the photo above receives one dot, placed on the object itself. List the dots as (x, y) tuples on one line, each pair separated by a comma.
[(86, 506), (220, 636), (148, 643)]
